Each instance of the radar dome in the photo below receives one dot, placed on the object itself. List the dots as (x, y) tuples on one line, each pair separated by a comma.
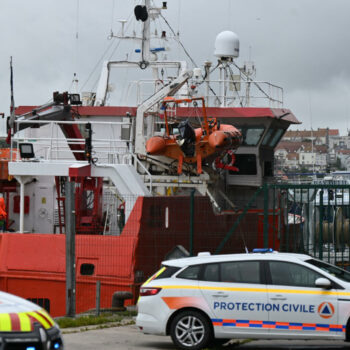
[(226, 45)]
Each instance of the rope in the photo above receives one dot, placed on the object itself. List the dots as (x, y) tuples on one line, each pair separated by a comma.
[(101, 58), (186, 52), (255, 83), (178, 40)]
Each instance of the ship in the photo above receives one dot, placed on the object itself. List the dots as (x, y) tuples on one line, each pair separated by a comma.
[(97, 200)]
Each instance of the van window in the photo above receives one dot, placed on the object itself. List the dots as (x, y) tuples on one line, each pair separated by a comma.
[(289, 274), (211, 272), (333, 270), (240, 272), (190, 273)]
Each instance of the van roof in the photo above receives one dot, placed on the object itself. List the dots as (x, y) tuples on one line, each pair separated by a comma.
[(201, 259)]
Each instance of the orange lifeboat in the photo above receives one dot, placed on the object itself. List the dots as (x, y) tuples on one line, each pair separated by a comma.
[(155, 145), (192, 145), (225, 136)]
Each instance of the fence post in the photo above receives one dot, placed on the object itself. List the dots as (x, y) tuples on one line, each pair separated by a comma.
[(98, 297), (191, 221), (320, 238), (70, 248), (266, 216)]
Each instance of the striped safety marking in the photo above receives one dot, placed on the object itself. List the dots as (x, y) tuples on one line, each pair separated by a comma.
[(5, 323), (279, 325), (155, 275), (42, 317), (257, 290), (24, 321)]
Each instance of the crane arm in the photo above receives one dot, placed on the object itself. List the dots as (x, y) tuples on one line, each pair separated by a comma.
[(168, 90)]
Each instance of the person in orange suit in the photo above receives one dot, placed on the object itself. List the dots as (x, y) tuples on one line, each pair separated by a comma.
[(3, 213)]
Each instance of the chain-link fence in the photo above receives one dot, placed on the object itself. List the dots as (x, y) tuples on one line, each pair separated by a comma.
[(140, 232), (315, 219), (154, 229), (311, 219)]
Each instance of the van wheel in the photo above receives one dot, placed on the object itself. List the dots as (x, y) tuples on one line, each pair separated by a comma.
[(347, 331), (190, 330)]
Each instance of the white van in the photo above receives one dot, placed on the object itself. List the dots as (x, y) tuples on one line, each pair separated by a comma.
[(267, 295)]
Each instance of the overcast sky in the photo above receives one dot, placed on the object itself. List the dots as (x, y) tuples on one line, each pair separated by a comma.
[(301, 45)]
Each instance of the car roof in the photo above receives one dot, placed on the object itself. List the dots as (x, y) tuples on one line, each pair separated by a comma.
[(205, 258)]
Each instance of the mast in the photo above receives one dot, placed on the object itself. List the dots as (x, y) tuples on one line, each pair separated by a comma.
[(146, 35), (12, 111), (11, 122)]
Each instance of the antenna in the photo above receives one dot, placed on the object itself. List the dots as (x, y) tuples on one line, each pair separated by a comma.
[(11, 121), (12, 109), (75, 81), (312, 137), (74, 85)]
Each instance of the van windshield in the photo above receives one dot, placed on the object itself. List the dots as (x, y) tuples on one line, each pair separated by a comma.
[(331, 269), (166, 272)]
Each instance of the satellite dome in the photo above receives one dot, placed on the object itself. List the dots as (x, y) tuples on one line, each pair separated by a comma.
[(226, 45)]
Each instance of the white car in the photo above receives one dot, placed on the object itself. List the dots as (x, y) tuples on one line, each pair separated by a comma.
[(24, 325), (257, 295)]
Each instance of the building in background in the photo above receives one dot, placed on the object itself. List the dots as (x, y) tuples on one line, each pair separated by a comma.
[(316, 151)]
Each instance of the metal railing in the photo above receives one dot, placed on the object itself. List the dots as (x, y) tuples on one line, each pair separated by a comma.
[(52, 145), (312, 219), (228, 93)]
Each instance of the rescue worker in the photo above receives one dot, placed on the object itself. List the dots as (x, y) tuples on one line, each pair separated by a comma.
[(3, 213)]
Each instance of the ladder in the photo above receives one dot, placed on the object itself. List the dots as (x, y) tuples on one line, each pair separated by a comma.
[(60, 206)]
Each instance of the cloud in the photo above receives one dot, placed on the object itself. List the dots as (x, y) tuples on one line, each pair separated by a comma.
[(301, 45)]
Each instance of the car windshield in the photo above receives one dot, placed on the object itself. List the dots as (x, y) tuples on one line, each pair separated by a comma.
[(331, 269), (165, 272)]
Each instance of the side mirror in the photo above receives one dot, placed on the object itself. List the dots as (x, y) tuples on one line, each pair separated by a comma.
[(323, 283)]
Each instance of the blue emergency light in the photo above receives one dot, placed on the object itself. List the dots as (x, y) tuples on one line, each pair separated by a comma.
[(30, 348), (263, 250), (56, 346)]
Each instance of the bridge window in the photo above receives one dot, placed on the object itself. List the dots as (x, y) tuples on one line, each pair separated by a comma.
[(251, 135), (267, 136), (276, 137), (272, 137), (246, 163)]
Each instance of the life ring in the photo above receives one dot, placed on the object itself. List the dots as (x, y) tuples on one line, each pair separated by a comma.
[(228, 163)]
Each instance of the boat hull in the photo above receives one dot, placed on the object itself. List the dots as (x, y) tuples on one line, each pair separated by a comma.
[(33, 265)]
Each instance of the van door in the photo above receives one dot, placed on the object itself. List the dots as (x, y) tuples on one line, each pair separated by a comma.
[(297, 307), (236, 296)]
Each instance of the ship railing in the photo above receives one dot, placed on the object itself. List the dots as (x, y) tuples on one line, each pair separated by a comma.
[(131, 158), (217, 93), (57, 148), (245, 94), (50, 144)]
